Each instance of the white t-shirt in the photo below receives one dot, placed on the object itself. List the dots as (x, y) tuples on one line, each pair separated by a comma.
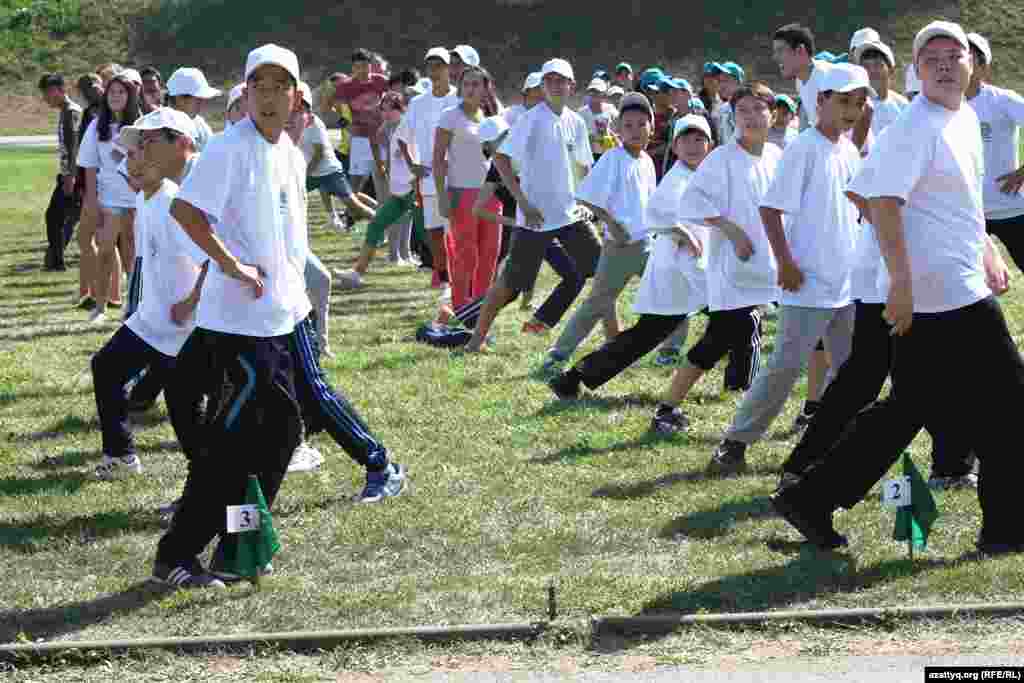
[(821, 230), (418, 127), (399, 176), (608, 112), (674, 282), (112, 189), (809, 90), (467, 165), (1000, 113), (932, 160), (169, 274), (621, 184), (887, 111), (253, 193), (731, 183), (203, 131), (316, 134), (513, 114), (727, 130), (547, 148)]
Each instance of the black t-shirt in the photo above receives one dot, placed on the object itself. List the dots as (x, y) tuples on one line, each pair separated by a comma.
[(501, 192)]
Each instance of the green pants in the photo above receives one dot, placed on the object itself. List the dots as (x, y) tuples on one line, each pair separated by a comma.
[(392, 211)]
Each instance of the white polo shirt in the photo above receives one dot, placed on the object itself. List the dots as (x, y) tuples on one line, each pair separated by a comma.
[(932, 160), (821, 230), (253, 193), (887, 111), (621, 184), (809, 90), (417, 129), (1000, 115), (547, 148)]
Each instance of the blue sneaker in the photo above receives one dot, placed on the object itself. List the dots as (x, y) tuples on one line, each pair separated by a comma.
[(387, 483)]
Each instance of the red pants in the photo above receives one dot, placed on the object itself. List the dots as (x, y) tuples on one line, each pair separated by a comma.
[(473, 246)]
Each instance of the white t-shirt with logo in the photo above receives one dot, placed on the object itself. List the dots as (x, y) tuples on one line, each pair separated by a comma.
[(932, 160), (821, 230), (887, 111), (253, 193), (418, 127), (169, 273), (674, 282), (608, 114), (547, 149), (621, 184), (1000, 113), (316, 134), (731, 183), (112, 189), (467, 165), (809, 90)]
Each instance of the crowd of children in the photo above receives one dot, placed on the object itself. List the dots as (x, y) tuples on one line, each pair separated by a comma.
[(855, 215)]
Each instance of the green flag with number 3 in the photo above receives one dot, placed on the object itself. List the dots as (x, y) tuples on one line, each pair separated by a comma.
[(914, 522), (248, 552)]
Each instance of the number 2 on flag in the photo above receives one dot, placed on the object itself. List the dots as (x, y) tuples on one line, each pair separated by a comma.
[(243, 518), (896, 492)]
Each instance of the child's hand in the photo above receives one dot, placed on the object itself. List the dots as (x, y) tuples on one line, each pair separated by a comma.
[(791, 278), (684, 239), (743, 247)]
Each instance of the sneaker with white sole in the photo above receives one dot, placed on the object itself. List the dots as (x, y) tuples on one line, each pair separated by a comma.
[(305, 458), (337, 223), (967, 481), (116, 468), (185, 577), (348, 279), (387, 483), (98, 317)]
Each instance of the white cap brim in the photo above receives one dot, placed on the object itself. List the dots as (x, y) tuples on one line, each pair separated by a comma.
[(858, 54), (272, 55), (940, 29), (980, 42), (439, 53), (557, 66), (691, 122)]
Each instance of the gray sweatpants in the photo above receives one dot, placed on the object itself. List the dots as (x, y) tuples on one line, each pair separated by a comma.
[(614, 269), (799, 331), (318, 284)]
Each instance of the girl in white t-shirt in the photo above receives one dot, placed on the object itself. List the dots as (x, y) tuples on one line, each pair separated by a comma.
[(460, 168), (109, 200)]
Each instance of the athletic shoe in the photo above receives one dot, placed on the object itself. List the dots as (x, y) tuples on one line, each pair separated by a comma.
[(565, 386), (348, 279), (337, 223), (350, 222), (387, 483), (787, 480), (86, 303), (815, 525), (728, 459), (185, 577), (167, 512), (802, 421), (534, 326), (305, 458), (116, 468), (668, 420), (967, 481), (446, 294), (667, 357), (98, 317)]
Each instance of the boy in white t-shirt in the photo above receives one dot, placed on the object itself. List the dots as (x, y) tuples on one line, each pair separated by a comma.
[(550, 149), (815, 252), (187, 89), (880, 62), (674, 283), (922, 187), (725, 194), (244, 206), (616, 190)]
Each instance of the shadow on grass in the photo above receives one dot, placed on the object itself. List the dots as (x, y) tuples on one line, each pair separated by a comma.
[(49, 392), (582, 451), (708, 524), (68, 329), (643, 489), (66, 483), (590, 402), (71, 424), (33, 535)]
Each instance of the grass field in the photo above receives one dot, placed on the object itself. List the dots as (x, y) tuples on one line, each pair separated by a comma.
[(511, 491)]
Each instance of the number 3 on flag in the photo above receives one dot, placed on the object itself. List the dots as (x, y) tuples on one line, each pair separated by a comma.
[(243, 518), (896, 492)]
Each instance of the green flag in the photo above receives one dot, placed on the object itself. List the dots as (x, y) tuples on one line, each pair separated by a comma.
[(914, 522), (248, 551)]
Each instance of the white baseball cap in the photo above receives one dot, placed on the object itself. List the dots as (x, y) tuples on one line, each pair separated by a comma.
[(533, 80), (235, 93), (598, 85), (492, 128), (275, 55), (307, 94), (913, 83), (557, 66), (131, 75), (158, 119), (691, 121), (439, 52), (940, 29), (846, 78), (467, 54), (864, 35), (858, 53), (979, 41), (190, 81), (616, 90)]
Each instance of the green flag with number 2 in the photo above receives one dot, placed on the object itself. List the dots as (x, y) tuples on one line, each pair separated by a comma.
[(914, 522)]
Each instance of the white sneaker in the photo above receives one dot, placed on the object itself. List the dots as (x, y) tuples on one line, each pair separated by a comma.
[(98, 317), (337, 223), (348, 279), (446, 295), (305, 459), (116, 468)]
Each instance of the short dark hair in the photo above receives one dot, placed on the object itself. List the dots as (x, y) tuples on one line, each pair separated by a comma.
[(977, 55), (362, 55), (151, 72), (756, 89), (796, 35), (51, 81), (872, 53), (410, 77)]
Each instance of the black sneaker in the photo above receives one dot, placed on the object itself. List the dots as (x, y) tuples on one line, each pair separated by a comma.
[(180, 576), (815, 525), (787, 480), (728, 459), (670, 420), (565, 386), (802, 421), (990, 549)]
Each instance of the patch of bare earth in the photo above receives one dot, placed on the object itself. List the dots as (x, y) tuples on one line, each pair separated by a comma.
[(25, 113)]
